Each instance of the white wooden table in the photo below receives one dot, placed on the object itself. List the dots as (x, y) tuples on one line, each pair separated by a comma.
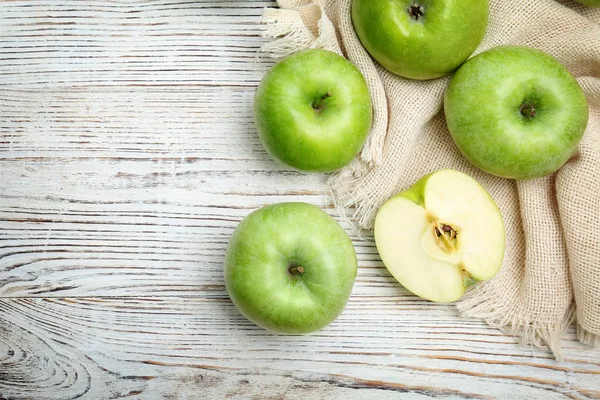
[(127, 157)]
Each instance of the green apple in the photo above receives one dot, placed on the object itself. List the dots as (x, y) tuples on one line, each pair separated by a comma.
[(515, 112), (313, 111), (420, 39), (441, 236), (290, 268)]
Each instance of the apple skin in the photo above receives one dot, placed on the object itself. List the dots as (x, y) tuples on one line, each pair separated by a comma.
[(313, 111), (483, 105), (257, 273), (433, 46), (591, 3)]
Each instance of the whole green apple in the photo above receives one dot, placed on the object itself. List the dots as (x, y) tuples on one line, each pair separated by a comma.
[(313, 111), (441, 235), (515, 112), (420, 39), (290, 268)]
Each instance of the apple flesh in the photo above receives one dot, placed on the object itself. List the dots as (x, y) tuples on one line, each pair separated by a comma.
[(441, 236), (515, 112), (420, 39), (290, 268), (313, 111)]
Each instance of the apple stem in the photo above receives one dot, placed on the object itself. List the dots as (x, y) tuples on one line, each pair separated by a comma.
[(296, 270), (468, 280), (317, 104), (528, 110)]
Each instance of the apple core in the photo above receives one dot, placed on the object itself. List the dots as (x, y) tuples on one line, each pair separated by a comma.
[(446, 237)]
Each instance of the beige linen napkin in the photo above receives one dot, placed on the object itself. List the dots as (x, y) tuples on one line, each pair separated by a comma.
[(551, 271)]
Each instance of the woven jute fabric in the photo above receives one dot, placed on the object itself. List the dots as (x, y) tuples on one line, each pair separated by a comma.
[(550, 276)]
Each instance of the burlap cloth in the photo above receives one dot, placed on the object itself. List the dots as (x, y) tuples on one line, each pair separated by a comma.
[(551, 271)]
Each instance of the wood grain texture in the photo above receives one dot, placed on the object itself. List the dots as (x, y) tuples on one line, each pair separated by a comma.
[(171, 346), (127, 157)]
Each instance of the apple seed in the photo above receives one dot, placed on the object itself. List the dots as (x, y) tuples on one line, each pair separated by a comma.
[(446, 237)]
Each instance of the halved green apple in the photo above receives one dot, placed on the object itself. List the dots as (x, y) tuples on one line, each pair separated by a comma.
[(441, 236)]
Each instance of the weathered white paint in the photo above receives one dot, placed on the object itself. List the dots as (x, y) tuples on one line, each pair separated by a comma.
[(127, 157)]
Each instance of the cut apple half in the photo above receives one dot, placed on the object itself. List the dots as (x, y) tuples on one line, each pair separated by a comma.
[(441, 236)]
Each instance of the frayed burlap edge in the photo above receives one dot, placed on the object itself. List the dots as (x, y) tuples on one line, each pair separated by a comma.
[(291, 33), (545, 336), (587, 337)]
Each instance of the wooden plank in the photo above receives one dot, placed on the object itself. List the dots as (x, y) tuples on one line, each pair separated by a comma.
[(181, 347), (128, 155), (149, 43), (211, 125)]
